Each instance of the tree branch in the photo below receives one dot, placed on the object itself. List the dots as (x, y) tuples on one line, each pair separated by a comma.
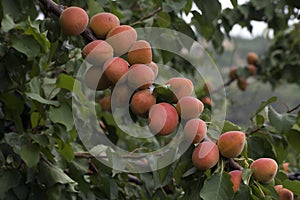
[(293, 109), (234, 165), (147, 17), (57, 9)]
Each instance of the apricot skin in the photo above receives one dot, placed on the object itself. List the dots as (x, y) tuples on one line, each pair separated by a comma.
[(105, 103), (242, 84), (231, 143), (140, 53), (181, 87), (284, 193), (265, 169), (252, 69), (154, 68), (140, 76), (205, 155), (95, 79), (233, 73), (195, 130), (141, 103), (163, 119), (97, 52), (189, 107), (102, 23), (236, 178), (73, 21), (252, 58), (121, 38), (207, 101), (115, 68)]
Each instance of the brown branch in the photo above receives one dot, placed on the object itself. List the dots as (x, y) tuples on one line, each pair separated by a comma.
[(234, 165), (57, 9), (293, 109), (147, 16), (222, 86)]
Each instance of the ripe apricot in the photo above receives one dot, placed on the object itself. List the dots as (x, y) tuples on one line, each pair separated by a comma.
[(97, 52), (236, 178), (265, 169), (154, 68), (195, 130), (140, 53), (242, 84), (181, 87), (141, 102), (189, 107), (231, 143), (121, 38), (252, 58), (206, 87), (95, 79), (284, 193), (140, 76), (102, 23), (163, 119), (206, 100), (105, 103), (233, 73), (73, 20), (252, 69), (205, 155), (115, 68), (286, 167)]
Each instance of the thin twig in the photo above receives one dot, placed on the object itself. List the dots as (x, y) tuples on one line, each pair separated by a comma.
[(222, 86), (234, 165), (293, 109), (147, 17)]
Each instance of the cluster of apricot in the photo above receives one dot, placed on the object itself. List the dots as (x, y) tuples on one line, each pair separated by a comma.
[(117, 55), (252, 60)]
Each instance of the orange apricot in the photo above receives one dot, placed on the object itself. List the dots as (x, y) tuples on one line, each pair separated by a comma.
[(95, 79), (206, 100), (181, 87), (242, 84), (265, 169), (252, 69), (195, 130), (189, 107), (97, 52), (233, 73), (284, 193), (102, 23), (141, 103), (140, 76), (73, 20), (140, 53), (252, 58), (231, 143), (163, 119), (154, 68), (105, 103), (121, 38), (205, 155), (236, 178), (115, 68)]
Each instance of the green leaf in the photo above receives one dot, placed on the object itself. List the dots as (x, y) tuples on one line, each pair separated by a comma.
[(217, 187), (39, 37), (40, 99), (163, 93), (26, 45), (49, 87), (30, 153), (209, 10), (294, 186), (163, 19), (243, 193), (229, 126), (65, 81), (8, 180), (293, 137), (263, 105), (94, 7), (66, 151), (62, 115), (7, 24), (260, 4), (234, 3), (282, 122)]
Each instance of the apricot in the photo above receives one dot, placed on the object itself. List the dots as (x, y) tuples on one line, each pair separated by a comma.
[(140, 76), (233, 73), (195, 130), (121, 38), (141, 103), (231, 143), (140, 53), (154, 68), (95, 79), (102, 23), (252, 69), (242, 84), (163, 119), (236, 178), (265, 169), (252, 58), (97, 52), (105, 103), (284, 193), (207, 87), (73, 20), (206, 100), (115, 68), (181, 87), (189, 107), (286, 167), (205, 155)]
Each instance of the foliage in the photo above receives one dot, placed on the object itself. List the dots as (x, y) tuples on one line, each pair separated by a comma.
[(41, 155)]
